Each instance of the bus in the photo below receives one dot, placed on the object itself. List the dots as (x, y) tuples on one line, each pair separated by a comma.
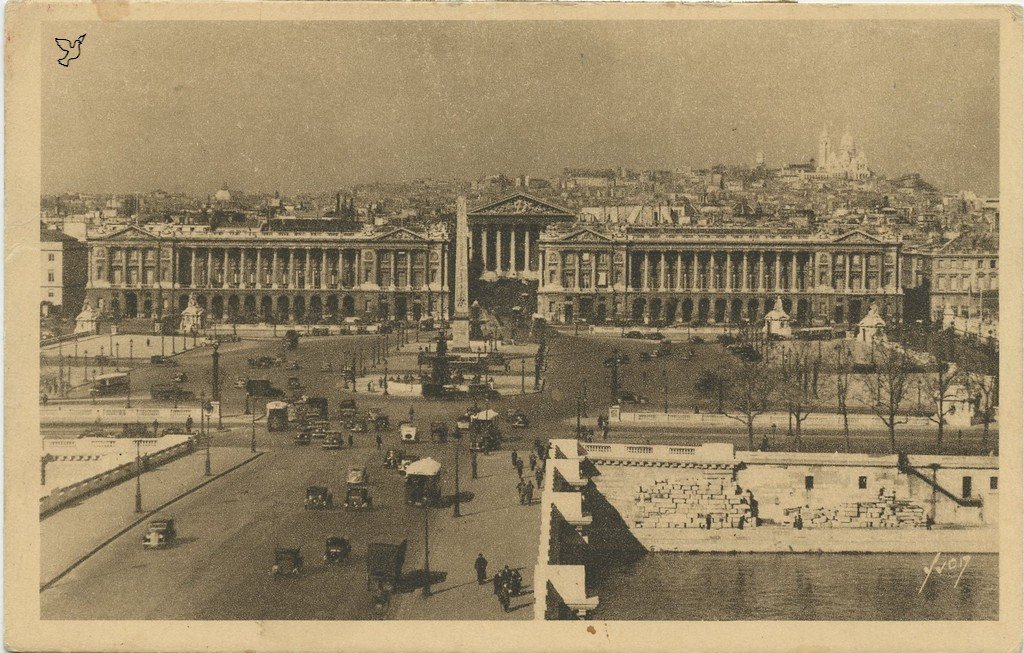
[(114, 383)]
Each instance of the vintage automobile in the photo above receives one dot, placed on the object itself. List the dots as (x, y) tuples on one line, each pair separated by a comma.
[(348, 408), (318, 498), (631, 398), (654, 335), (633, 335), (287, 562), (357, 476), (520, 420), (405, 460), (170, 392), (262, 388), (357, 497), (381, 422), (333, 440), (392, 457), (384, 562), (438, 432), (162, 360), (303, 437), (408, 432), (337, 549), (159, 534)]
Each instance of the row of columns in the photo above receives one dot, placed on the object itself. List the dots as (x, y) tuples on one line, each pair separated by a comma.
[(505, 240), (126, 267), (730, 271), (283, 266)]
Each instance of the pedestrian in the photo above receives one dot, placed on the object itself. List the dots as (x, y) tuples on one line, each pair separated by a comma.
[(515, 457), (496, 580), (472, 462), (519, 468), (529, 493), (522, 492), (380, 441), (481, 569), (188, 424), (533, 461), (412, 411), (707, 521), (147, 342), (539, 475), (350, 440)]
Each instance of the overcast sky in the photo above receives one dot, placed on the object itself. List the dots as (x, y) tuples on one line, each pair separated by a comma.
[(316, 106)]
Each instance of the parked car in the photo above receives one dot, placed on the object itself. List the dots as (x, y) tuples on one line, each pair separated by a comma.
[(634, 335)]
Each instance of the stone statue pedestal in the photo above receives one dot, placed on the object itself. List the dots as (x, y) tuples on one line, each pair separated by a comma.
[(460, 333)]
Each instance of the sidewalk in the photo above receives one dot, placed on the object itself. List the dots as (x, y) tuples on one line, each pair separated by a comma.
[(494, 524), (70, 533)]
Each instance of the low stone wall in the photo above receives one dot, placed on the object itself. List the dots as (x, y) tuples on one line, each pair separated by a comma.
[(100, 414), (820, 421), (658, 488), (61, 497)]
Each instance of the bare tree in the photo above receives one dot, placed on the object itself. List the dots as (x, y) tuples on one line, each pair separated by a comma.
[(794, 374), (842, 364), (941, 385), (981, 376), (712, 385), (888, 385), (751, 386)]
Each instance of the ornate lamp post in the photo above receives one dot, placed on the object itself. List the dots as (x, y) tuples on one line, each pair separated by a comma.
[(457, 436), (426, 547), (138, 476), (131, 346)]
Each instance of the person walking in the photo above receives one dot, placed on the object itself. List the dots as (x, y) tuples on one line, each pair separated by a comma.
[(515, 457), (380, 441), (481, 569), (188, 424), (519, 467), (529, 493), (533, 461), (472, 463), (522, 492), (350, 440), (496, 581), (539, 475)]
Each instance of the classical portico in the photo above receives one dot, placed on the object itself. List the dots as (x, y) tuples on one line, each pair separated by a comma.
[(504, 236)]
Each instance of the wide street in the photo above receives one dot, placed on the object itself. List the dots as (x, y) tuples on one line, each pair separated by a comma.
[(229, 528)]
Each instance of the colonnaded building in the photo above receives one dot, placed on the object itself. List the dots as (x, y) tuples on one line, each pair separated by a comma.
[(275, 273), (310, 271), (707, 275)]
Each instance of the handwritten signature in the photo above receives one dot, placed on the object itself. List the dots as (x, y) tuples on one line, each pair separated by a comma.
[(947, 566)]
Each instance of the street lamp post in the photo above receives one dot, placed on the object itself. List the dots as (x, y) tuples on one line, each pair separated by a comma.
[(131, 348), (252, 441), (522, 376), (128, 401), (117, 351), (458, 508), (202, 418), (138, 476), (426, 548)]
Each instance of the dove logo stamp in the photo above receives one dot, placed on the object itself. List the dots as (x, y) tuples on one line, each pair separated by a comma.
[(71, 49)]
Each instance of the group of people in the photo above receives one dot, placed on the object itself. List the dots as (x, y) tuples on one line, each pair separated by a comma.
[(525, 487), (507, 582)]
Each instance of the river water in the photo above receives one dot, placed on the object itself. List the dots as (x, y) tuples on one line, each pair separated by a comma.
[(787, 586)]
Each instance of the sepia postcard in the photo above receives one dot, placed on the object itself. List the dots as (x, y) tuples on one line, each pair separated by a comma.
[(512, 327)]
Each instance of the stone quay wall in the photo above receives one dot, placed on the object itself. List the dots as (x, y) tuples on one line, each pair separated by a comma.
[(655, 488)]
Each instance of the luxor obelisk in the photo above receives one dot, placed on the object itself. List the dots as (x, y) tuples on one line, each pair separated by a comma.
[(460, 313)]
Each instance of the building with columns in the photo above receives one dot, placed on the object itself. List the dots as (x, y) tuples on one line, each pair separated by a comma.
[(262, 275), (504, 235), (706, 276)]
